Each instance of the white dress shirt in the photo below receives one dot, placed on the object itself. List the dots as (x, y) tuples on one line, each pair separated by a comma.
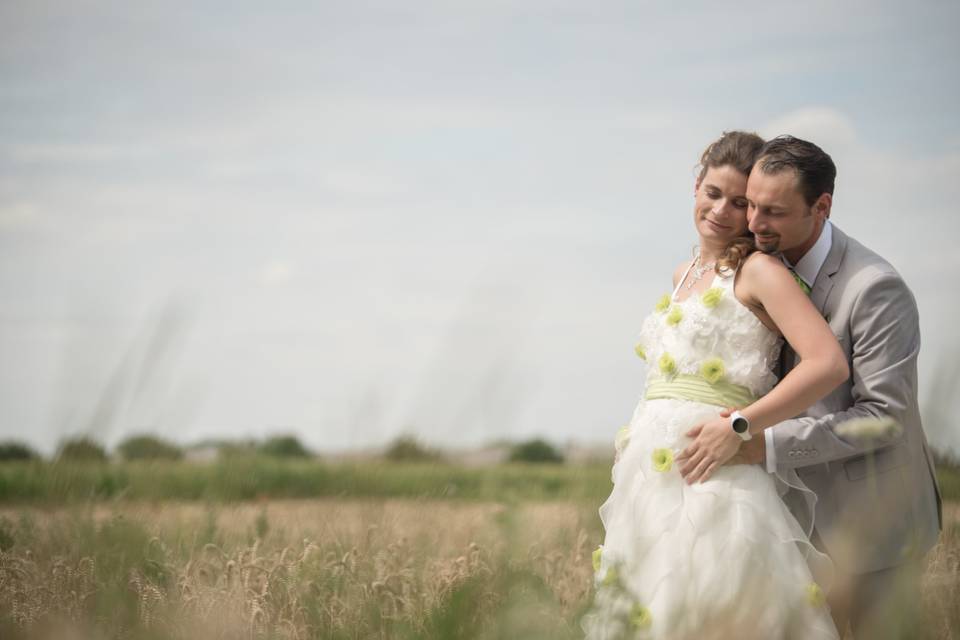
[(808, 268)]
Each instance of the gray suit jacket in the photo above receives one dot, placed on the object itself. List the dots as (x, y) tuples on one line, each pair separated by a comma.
[(878, 502)]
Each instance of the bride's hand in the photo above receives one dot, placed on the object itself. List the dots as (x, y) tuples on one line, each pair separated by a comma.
[(714, 444)]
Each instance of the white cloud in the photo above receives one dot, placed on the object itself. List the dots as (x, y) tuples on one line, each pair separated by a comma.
[(276, 273), (362, 183), (72, 153), (19, 215), (829, 128), (335, 189)]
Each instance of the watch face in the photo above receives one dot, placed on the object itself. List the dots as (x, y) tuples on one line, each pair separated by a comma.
[(740, 425)]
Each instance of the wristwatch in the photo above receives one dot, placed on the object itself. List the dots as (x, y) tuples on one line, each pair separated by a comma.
[(741, 426)]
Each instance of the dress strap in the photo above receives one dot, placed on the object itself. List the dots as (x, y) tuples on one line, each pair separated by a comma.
[(726, 278), (673, 296)]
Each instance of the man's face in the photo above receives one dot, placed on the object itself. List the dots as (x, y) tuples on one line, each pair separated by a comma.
[(779, 217)]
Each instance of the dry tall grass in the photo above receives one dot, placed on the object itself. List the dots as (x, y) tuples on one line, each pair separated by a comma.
[(317, 569), (325, 569)]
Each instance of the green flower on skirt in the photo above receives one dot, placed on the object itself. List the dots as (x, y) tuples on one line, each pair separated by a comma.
[(640, 617), (611, 577), (662, 460), (597, 553), (815, 595), (639, 350)]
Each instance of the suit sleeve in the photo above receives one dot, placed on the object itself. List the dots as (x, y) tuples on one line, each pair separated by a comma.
[(885, 336)]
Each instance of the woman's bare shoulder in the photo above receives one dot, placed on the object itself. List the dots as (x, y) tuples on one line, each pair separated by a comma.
[(759, 265)]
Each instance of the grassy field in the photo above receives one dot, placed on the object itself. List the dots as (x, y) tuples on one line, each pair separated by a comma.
[(257, 477), (416, 551), (250, 478)]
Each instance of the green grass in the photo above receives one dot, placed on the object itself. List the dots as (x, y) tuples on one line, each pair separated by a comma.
[(949, 479), (247, 478), (260, 477)]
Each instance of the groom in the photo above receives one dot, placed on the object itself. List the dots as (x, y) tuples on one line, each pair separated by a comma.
[(878, 508)]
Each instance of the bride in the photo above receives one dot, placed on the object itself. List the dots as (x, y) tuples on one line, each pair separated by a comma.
[(717, 555)]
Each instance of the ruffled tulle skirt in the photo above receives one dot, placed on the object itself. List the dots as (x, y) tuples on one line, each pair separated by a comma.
[(721, 559)]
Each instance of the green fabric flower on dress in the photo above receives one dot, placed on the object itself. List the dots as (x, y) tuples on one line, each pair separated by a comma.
[(611, 577), (675, 316), (663, 303), (713, 370), (711, 297), (596, 558), (639, 350), (640, 617), (622, 438), (667, 366), (815, 595), (662, 460)]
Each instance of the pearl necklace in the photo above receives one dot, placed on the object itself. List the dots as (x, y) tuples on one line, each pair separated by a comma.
[(698, 271)]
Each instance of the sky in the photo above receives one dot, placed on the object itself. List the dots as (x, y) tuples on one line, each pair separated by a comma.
[(349, 221)]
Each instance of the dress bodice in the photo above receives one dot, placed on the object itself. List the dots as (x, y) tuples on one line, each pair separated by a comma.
[(710, 335)]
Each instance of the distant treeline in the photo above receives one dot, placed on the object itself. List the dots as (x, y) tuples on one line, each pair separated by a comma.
[(405, 448), (151, 447)]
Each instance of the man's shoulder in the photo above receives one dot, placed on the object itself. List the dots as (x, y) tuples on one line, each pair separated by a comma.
[(868, 279), (862, 265)]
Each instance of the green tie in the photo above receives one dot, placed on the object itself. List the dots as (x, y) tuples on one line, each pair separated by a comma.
[(803, 285)]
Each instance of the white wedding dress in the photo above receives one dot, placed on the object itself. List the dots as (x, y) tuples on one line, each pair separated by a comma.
[(725, 558)]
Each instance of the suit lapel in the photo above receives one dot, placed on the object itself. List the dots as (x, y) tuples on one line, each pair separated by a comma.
[(824, 282), (821, 289)]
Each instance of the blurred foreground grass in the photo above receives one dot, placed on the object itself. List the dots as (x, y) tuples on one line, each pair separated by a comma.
[(326, 568), (247, 478), (259, 548)]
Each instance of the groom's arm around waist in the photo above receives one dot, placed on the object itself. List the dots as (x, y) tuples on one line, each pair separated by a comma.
[(883, 340)]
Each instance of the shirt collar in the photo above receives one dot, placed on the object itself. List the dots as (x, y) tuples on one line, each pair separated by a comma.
[(808, 267)]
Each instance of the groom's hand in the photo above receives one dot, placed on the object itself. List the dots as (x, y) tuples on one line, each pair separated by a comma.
[(753, 451)]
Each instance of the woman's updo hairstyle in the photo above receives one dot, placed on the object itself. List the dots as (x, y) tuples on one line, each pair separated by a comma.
[(737, 149)]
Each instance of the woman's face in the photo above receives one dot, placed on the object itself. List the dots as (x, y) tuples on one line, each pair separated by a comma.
[(720, 209)]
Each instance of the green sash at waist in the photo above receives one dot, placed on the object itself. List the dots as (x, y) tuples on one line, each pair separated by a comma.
[(696, 388)]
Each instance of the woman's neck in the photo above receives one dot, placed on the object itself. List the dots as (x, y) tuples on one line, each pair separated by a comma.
[(710, 252)]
